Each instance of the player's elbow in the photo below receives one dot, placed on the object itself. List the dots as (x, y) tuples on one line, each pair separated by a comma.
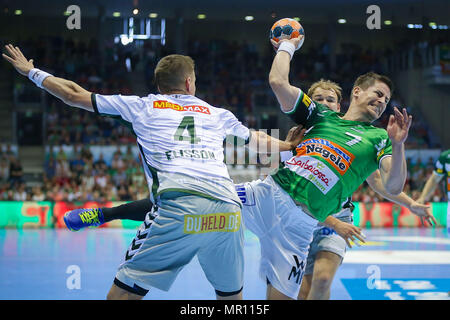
[(393, 190), (276, 83), (79, 99), (69, 97)]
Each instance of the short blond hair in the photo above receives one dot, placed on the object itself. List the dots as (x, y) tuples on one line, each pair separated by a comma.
[(326, 85), (171, 72)]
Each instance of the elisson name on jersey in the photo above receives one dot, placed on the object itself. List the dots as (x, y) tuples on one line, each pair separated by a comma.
[(190, 154)]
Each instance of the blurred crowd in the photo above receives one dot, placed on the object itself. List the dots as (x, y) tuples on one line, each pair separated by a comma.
[(80, 176), (230, 74), (77, 178)]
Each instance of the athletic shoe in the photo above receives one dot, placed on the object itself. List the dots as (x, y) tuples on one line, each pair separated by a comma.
[(83, 218)]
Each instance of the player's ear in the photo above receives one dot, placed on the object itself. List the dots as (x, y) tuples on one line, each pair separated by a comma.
[(188, 83), (338, 107), (356, 91)]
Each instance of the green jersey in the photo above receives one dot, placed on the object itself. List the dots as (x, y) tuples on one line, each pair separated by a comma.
[(442, 169), (335, 157)]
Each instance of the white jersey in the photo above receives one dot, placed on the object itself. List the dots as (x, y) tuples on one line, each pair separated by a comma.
[(180, 138)]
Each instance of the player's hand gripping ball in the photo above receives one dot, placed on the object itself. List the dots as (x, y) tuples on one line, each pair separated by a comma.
[(287, 28)]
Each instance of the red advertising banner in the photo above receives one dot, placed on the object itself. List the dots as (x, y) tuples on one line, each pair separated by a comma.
[(391, 215), (30, 214)]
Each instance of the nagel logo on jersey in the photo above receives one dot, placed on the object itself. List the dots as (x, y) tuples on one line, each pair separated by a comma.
[(334, 154), (161, 104)]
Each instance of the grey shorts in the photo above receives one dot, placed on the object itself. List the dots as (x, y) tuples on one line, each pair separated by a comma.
[(326, 239), (178, 230)]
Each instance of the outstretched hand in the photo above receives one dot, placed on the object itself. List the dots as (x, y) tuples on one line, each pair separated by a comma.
[(398, 126), (423, 211), (18, 60), (349, 232)]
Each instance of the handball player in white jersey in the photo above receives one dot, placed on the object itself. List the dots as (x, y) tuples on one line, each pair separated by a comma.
[(180, 138)]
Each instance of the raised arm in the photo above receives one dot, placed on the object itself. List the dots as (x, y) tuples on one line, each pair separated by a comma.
[(68, 91), (286, 94), (423, 211), (393, 169)]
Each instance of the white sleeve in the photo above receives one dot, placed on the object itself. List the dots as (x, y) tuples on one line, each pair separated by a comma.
[(233, 126), (128, 107), (439, 168)]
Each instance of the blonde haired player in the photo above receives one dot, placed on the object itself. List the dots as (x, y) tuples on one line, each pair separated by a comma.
[(180, 138)]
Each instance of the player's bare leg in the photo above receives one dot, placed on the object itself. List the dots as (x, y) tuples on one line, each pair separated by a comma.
[(274, 294), (306, 287), (325, 267), (116, 293)]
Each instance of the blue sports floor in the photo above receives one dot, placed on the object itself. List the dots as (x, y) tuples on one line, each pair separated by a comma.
[(57, 264)]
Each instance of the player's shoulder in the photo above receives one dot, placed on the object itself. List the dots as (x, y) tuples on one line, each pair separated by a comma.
[(189, 102), (445, 155), (379, 136), (374, 130)]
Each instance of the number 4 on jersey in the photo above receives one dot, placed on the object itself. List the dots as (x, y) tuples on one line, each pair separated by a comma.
[(186, 124)]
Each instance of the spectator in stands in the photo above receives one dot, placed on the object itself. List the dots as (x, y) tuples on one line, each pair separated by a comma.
[(142, 191), (15, 170), (120, 177), (77, 165), (117, 163), (101, 179), (86, 154), (62, 169), (87, 180), (4, 170), (61, 155), (123, 193), (50, 167), (9, 153), (111, 193), (100, 164), (20, 194), (38, 195), (129, 156)]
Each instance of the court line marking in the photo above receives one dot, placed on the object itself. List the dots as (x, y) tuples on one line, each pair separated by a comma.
[(397, 257), (414, 239)]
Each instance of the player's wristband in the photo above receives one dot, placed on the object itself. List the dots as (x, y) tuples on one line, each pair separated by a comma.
[(38, 76), (288, 47)]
